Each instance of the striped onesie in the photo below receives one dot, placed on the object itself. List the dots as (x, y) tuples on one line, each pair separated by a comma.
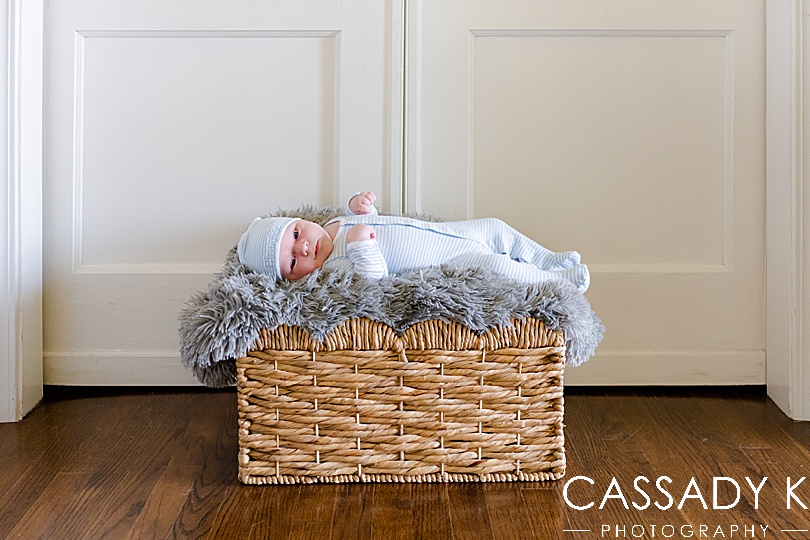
[(402, 243)]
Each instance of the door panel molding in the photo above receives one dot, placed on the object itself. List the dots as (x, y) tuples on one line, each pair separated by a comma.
[(104, 39), (728, 178)]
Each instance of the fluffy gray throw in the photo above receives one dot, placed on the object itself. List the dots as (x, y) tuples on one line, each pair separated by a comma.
[(221, 324)]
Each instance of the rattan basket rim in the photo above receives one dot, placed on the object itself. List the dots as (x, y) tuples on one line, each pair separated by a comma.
[(366, 334)]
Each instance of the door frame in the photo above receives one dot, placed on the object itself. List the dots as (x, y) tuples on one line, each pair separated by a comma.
[(787, 351), (787, 344), (21, 251)]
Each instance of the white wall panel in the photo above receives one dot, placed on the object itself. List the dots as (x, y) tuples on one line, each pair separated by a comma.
[(168, 129), (632, 134)]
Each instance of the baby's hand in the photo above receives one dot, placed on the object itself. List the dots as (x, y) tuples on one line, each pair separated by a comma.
[(360, 232), (362, 203)]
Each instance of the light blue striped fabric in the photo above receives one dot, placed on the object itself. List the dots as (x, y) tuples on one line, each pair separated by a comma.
[(403, 243)]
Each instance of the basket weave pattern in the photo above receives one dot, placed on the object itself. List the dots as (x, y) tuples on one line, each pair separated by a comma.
[(436, 404)]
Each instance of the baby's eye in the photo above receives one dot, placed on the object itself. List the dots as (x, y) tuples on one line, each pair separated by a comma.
[(295, 235)]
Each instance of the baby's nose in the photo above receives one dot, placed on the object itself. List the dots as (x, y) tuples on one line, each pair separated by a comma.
[(303, 248)]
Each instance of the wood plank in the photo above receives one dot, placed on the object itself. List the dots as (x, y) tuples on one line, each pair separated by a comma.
[(105, 478), (542, 514), (64, 494), (318, 509), (353, 512), (430, 516), (215, 432), (239, 512), (625, 458), (171, 491), (508, 513), (392, 513), (469, 517), (687, 443), (774, 448), (279, 506), (33, 451), (161, 509)]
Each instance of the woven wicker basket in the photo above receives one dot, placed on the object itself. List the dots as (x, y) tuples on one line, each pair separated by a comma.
[(437, 404)]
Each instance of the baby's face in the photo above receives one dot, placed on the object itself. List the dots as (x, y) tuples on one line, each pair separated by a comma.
[(304, 247)]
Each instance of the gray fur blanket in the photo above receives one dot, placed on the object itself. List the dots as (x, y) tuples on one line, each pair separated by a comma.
[(221, 324)]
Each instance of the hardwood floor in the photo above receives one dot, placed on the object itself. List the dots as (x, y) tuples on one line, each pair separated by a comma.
[(116, 463)]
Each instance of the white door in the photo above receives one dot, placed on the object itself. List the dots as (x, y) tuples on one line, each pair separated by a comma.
[(631, 131), (169, 126)]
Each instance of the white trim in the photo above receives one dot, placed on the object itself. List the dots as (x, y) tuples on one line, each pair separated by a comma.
[(31, 19), (599, 32), (787, 351), (8, 316), (21, 390), (801, 381), (660, 368), (154, 268), (396, 105), (609, 368), (412, 179), (186, 34), (116, 368), (659, 268)]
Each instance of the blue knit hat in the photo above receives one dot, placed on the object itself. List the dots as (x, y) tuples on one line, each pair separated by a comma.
[(259, 247)]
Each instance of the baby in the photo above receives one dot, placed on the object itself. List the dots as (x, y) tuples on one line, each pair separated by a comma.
[(374, 246)]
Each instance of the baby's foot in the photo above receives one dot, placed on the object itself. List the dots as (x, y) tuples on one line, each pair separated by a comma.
[(562, 260), (579, 276)]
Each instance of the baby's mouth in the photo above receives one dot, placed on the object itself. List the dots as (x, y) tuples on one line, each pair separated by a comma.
[(317, 245)]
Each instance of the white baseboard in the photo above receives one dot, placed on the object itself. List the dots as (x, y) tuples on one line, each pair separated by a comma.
[(116, 368), (669, 368), (631, 368)]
